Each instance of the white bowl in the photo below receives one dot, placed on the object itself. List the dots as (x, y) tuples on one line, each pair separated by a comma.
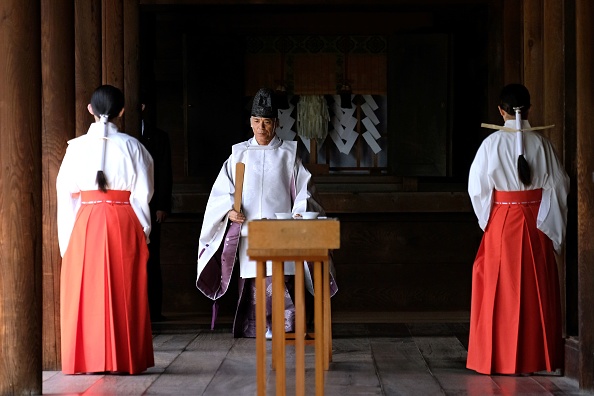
[(284, 215), (310, 215)]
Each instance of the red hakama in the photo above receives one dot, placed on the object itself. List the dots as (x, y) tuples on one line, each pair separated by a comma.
[(515, 316), (103, 294)]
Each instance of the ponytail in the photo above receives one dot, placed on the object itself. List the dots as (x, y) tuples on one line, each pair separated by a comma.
[(101, 181), (524, 171), (107, 102)]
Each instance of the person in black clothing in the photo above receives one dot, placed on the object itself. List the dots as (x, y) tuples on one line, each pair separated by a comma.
[(157, 143)]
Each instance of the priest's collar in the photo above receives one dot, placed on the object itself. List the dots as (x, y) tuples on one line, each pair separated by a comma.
[(274, 143)]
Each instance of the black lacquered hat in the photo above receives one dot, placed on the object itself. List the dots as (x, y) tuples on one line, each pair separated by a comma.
[(265, 105)]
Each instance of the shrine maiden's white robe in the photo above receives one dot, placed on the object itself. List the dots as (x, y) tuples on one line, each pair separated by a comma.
[(495, 168), (131, 172)]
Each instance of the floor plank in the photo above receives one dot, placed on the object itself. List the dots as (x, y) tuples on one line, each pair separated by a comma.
[(60, 384), (401, 368), (195, 366), (237, 373), (419, 358), (122, 384), (559, 386), (510, 385)]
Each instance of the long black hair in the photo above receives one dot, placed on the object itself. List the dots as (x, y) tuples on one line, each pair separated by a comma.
[(107, 102), (514, 96)]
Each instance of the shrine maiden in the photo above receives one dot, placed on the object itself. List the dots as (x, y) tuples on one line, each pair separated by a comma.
[(103, 188), (275, 181), (518, 189)]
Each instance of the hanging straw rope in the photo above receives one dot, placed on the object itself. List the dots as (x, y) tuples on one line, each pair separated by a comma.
[(312, 117)]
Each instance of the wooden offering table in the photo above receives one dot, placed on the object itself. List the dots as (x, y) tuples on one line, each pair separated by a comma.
[(293, 240)]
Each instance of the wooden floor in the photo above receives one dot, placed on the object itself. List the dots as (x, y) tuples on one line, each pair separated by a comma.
[(368, 359)]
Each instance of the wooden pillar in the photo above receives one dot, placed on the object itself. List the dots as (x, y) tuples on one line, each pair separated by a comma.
[(512, 42), (533, 55), (553, 27), (132, 67), (585, 171), (113, 43), (554, 107), (506, 43), (544, 76), (543, 65), (58, 126), (120, 56), (87, 55), (20, 198)]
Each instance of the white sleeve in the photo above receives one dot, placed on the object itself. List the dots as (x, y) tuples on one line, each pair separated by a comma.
[(302, 184), (480, 187), (214, 224), (552, 214), (220, 200), (68, 201), (142, 187)]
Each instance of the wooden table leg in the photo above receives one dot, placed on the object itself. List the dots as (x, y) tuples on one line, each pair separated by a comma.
[(319, 328), (278, 325), (327, 316), (299, 329), (261, 327)]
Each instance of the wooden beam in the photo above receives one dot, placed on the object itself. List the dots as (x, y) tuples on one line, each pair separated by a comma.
[(359, 202), (58, 123), (20, 198), (312, 2), (87, 56)]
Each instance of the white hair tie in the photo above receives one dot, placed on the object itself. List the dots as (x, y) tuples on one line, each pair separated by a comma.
[(103, 118), (519, 142)]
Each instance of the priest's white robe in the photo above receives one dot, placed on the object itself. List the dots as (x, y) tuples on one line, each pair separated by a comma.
[(275, 180)]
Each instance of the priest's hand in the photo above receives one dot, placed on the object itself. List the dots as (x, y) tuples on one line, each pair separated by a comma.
[(236, 217)]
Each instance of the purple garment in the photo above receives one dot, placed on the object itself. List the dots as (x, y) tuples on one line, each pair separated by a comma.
[(214, 282), (214, 279), (245, 316)]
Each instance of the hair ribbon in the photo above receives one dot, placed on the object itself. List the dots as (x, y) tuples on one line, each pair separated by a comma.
[(519, 142), (104, 118)]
